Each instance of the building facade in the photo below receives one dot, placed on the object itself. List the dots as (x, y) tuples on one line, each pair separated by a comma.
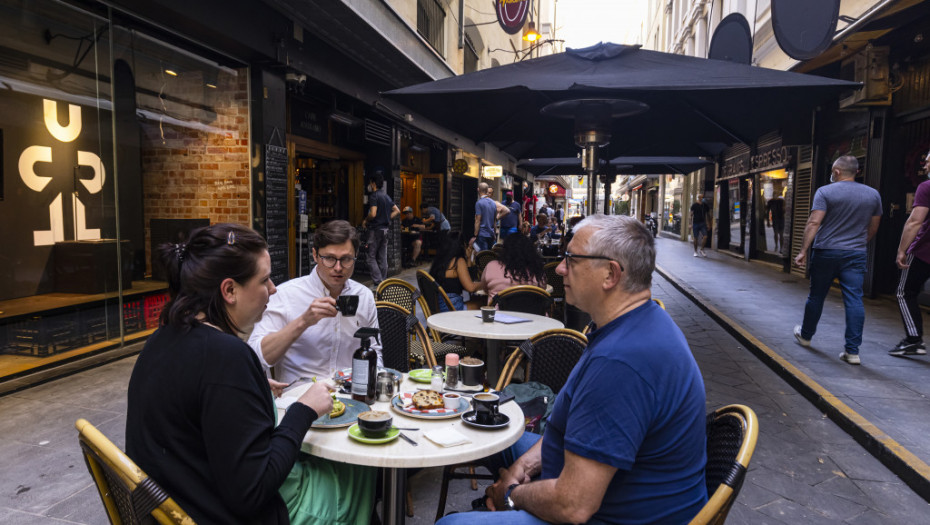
[(126, 124)]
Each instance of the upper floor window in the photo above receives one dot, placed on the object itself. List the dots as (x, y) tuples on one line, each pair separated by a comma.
[(471, 56), (431, 21)]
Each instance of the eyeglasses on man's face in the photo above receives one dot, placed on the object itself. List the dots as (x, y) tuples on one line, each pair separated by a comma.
[(330, 261), (574, 258)]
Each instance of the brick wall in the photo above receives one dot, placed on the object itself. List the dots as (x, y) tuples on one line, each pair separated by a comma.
[(199, 171)]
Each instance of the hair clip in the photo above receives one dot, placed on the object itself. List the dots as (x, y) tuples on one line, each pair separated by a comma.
[(231, 238)]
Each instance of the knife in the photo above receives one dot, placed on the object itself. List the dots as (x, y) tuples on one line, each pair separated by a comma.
[(408, 440)]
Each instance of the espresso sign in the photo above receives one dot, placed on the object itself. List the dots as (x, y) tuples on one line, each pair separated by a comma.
[(511, 14)]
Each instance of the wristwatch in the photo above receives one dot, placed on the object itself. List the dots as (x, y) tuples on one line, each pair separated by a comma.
[(507, 499)]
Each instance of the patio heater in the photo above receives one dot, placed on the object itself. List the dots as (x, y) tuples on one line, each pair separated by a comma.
[(593, 117)]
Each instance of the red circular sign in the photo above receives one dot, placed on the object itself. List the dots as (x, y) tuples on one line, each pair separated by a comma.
[(511, 14)]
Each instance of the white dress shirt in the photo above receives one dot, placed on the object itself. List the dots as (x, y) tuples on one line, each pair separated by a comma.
[(324, 347)]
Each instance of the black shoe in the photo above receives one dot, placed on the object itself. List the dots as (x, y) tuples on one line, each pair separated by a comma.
[(906, 347)]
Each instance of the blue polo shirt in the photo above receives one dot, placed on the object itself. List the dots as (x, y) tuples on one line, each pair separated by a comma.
[(635, 401), (488, 211)]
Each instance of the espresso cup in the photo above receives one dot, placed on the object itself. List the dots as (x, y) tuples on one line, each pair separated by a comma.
[(374, 423), (451, 401), (487, 406), (347, 304), (471, 375), (487, 313)]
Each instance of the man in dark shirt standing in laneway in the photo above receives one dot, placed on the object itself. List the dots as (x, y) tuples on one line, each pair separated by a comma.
[(699, 212), (486, 215), (380, 213), (776, 209), (513, 221)]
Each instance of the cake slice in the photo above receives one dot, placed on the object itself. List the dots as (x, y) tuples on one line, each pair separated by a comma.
[(427, 400)]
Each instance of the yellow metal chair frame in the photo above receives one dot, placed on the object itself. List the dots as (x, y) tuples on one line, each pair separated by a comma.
[(128, 494), (399, 292), (732, 433)]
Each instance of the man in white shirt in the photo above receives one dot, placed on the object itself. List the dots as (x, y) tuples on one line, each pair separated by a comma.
[(301, 333)]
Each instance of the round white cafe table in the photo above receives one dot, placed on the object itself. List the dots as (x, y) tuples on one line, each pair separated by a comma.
[(396, 456), (468, 323)]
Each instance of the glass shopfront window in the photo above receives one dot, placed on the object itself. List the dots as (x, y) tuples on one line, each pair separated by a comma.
[(112, 142), (671, 208)]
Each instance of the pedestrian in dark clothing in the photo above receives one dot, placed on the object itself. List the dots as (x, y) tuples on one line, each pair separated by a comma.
[(699, 211), (381, 212), (914, 261)]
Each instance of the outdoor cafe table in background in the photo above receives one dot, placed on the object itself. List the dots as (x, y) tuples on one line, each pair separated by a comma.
[(468, 323), (398, 455)]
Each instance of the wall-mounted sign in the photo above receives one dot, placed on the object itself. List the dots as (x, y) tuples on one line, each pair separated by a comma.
[(511, 14), (492, 172), (556, 190), (460, 166)]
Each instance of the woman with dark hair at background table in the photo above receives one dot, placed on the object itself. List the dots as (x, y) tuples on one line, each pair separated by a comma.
[(201, 416), (450, 270), (519, 263)]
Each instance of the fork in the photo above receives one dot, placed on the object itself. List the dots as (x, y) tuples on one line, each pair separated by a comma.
[(297, 381)]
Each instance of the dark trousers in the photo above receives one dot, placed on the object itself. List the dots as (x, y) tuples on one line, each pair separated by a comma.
[(909, 287)]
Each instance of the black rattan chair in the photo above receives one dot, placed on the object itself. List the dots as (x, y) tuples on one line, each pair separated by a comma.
[(482, 259), (550, 358), (732, 432), (399, 292), (523, 298), (399, 327), (430, 295), (554, 280), (128, 494)]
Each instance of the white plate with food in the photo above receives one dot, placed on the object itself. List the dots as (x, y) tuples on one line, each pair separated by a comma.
[(426, 404)]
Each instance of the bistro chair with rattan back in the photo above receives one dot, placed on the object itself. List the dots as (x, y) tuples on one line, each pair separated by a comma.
[(128, 494), (523, 298), (482, 259), (550, 357), (430, 295), (399, 330), (498, 248), (732, 432), (554, 279), (399, 292)]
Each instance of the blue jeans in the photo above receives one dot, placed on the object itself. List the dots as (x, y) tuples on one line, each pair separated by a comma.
[(510, 517), (849, 267), (484, 243), (457, 302)]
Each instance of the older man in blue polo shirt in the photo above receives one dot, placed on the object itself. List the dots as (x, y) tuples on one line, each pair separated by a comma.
[(626, 441)]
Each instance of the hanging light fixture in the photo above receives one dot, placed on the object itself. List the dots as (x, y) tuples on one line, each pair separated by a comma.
[(530, 34)]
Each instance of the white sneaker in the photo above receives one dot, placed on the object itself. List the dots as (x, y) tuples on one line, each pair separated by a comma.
[(852, 359), (703, 254), (695, 254), (801, 340)]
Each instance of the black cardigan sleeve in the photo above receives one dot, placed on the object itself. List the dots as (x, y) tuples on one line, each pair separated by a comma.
[(249, 457)]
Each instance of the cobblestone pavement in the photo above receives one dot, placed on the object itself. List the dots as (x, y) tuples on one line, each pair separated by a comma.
[(805, 469)]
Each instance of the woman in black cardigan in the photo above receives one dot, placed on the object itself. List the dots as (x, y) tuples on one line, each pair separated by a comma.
[(201, 417)]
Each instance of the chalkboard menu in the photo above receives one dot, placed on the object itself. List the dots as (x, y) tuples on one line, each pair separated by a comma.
[(276, 210), (430, 192), (455, 204)]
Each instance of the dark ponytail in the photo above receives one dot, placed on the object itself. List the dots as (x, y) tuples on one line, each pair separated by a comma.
[(197, 267)]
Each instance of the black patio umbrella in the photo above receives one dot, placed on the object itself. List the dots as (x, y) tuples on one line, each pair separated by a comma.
[(620, 165), (669, 104)]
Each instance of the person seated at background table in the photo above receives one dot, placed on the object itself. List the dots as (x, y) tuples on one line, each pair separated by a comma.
[(201, 418), (414, 235), (542, 230), (519, 263), (433, 219), (569, 232), (450, 270), (301, 334), (626, 440)]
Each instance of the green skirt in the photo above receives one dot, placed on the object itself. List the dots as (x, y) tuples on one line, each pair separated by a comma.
[(323, 492)]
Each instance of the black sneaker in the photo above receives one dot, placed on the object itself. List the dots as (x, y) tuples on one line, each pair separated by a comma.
[(907, 348)]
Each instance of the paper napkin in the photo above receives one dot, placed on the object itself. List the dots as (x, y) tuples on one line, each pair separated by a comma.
[(446, 437)]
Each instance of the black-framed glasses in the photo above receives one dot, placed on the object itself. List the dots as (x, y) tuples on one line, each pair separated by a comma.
[(330, 262), (570, 259)]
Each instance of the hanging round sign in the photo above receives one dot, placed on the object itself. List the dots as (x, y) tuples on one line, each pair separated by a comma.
[(460, 166), (511, 14)]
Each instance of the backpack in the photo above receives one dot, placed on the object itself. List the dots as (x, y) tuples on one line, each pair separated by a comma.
[(536, 401)]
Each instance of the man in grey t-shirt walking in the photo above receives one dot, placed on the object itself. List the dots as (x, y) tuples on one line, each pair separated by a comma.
[(843, 219)]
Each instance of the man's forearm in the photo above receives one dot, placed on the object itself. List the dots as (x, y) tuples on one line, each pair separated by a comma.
[(810, 231), (908, 234), (477, 224), (276, 344)]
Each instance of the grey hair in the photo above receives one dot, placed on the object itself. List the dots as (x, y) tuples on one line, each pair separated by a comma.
[(626, 240), (847, 164)]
